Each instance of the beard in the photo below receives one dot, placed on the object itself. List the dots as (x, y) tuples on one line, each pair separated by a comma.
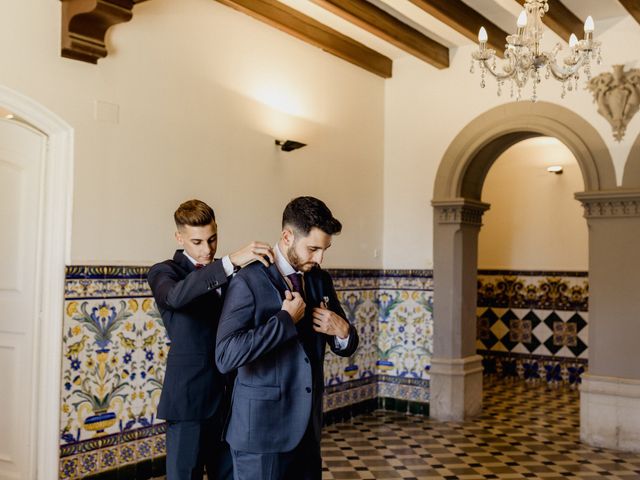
[(296, 263)]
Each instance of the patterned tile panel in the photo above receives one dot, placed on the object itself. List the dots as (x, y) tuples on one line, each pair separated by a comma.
[(115, 348), (536, 332), (534, 327), (533, 290)]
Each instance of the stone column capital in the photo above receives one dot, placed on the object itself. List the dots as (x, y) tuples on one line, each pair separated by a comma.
[(460, 211), (617, 203)]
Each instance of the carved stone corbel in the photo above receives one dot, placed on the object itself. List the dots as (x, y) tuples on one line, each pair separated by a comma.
[(85, 24), (618, 97)]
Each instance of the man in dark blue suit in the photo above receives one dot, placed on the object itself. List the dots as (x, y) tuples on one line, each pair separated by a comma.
[(189, 292), (274, 327)]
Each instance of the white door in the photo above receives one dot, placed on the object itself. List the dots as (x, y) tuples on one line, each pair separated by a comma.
[(22, 151)]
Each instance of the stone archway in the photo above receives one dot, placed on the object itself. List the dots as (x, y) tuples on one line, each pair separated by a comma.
[(631, 176), (456, 371)]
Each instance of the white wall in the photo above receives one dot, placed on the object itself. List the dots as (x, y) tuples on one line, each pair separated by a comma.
[(425, 109), (534, 222), (201, 92), (202, 88)]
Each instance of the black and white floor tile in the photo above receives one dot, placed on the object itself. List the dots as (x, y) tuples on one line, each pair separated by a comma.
[(525, 431)]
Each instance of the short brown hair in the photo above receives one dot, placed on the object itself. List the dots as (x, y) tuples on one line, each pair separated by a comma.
[(194, 213), (305, 213)]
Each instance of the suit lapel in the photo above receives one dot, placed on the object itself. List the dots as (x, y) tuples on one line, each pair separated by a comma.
[(313, 290), (276, 279), (183, 262)]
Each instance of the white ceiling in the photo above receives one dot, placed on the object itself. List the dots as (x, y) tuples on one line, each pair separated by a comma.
[(598, 9)]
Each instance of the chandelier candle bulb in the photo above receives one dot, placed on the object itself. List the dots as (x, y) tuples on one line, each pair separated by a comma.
[(522, 23), (573, 40), (483, 38), (589, 27)]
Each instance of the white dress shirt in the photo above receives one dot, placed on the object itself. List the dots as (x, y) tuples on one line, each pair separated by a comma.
[(226, 265)]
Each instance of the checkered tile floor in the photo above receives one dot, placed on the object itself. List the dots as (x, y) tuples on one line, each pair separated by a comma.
[(524, 432)]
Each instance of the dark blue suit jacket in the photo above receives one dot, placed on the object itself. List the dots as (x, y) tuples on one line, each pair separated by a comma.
[(280, 381), (190, 307)]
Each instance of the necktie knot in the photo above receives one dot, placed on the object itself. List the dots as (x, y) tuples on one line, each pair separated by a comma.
[(199, 266), (296, 282)]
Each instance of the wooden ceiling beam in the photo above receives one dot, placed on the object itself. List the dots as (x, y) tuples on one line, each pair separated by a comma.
[(311, 31), (85, 24), (465, 20), (561, 20), (633, 7), (384, 25)]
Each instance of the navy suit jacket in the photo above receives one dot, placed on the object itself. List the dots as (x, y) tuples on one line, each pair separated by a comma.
[(280, 365), (190, 306)]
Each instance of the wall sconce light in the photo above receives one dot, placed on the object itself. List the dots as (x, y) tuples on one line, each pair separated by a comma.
[(557, 169), (289, 145)]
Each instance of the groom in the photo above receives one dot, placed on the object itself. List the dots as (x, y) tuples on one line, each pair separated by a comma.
[(274, 326)]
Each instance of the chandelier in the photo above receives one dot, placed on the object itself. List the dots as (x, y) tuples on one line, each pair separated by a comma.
[(524, 59)]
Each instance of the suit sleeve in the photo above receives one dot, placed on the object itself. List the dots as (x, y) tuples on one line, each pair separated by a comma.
[(241, 337), (334, 305), (172, 292)]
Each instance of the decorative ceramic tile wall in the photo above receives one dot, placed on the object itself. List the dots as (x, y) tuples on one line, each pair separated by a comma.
[(394, 312), (114, 352), (115, 348), (530, 325), (533, 325)]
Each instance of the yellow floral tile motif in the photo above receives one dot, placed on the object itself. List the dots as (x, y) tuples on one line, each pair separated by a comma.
[(114, 358)]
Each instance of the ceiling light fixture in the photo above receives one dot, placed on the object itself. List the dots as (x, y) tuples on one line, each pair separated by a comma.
[(524, 58)]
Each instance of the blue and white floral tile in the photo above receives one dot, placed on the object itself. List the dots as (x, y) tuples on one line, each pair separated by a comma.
[(404, 389), (405, 333), (69, 468), (361, 311), (108, 458)]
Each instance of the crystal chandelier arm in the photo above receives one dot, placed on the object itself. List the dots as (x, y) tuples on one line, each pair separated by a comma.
[(564, 73), (515, 67), (493, 70)]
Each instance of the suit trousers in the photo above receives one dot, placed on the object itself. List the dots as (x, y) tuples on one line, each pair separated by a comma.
[(195, 445), (302, 463)]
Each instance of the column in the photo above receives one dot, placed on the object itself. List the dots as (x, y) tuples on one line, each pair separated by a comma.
[(610, 393), (456, 369)]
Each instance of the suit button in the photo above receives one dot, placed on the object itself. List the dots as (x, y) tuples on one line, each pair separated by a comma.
[(306, 360), (308, 389)]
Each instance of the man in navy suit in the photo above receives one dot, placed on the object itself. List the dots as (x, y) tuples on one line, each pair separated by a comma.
[(274, 326), (189, 292)]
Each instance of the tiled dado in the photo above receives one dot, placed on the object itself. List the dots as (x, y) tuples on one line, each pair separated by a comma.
[(115, 348), (533, 325)]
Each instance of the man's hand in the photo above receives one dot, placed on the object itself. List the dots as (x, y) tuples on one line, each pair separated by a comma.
[(294, 305), (259, 251), (330, 323)]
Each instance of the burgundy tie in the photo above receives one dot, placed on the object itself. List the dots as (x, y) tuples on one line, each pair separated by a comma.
[(199, 266), (296, 282)]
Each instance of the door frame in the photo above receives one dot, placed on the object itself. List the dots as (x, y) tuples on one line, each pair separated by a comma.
[(53, 252)]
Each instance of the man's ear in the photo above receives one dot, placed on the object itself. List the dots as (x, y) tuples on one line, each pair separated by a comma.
[(179, 238), (287, 236)]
